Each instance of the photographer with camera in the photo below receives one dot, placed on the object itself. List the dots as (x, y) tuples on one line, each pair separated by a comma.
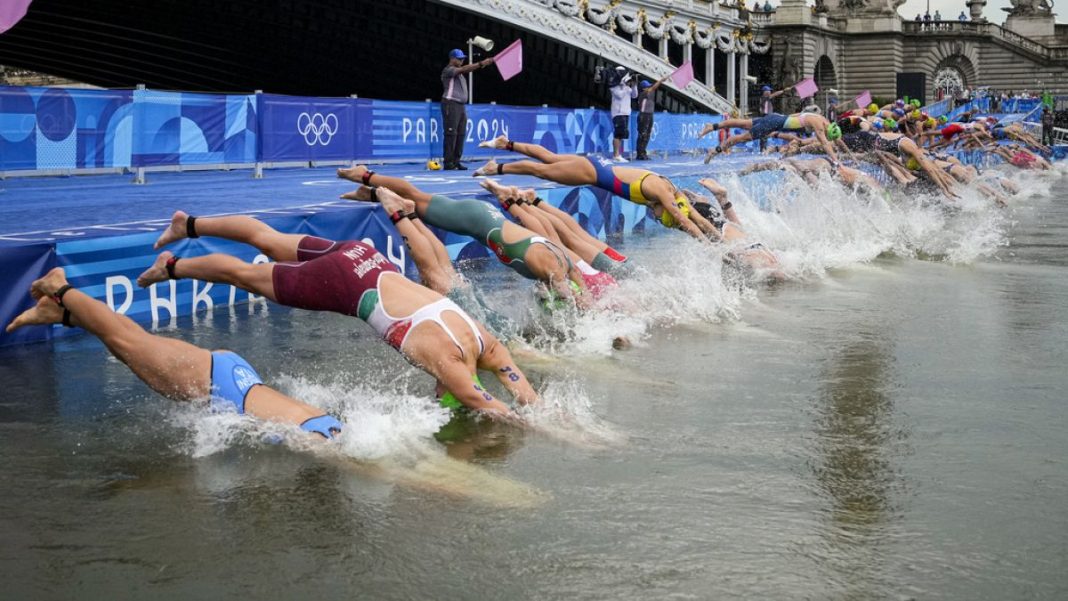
[(624, 88)]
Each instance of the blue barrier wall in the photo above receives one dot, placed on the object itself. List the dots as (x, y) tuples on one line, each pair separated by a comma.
[(47, 129)]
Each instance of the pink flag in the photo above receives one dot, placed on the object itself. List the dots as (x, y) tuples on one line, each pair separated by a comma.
[(806, 88), (11, 12), (682, 76), (864, 99), (510, 60)]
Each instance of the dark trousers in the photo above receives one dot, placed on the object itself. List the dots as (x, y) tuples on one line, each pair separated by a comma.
[(454, 120), (645, 130), (1047, 135)]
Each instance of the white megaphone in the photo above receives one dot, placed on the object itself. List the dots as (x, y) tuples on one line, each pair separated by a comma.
[(751, 79), (483, 43), (833, 91)]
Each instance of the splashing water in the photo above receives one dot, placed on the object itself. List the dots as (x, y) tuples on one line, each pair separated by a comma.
[(566, 413)]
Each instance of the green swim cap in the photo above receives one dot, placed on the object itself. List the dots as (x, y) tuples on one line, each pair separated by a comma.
[(834, 132), (943, 119), (916, 102), (449, 400), (551, 302), (889, 124)]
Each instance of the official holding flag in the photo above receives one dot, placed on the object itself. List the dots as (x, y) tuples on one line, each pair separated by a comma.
[(453, 101)]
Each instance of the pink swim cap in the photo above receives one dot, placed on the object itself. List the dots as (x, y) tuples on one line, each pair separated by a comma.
[(1023, 160)]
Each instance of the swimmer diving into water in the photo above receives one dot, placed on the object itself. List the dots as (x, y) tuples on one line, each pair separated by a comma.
[(528, 254), (354, 279), (667, 203), (173, 368)]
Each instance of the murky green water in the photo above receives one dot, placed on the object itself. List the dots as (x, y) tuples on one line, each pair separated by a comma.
[(892, 429)]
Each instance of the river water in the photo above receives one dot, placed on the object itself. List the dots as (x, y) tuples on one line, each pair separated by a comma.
[(889, 424)]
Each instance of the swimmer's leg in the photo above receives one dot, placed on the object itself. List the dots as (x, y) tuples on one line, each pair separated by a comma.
[(434, 276), (362, 175), (219, 268), (543, 154), (569, 173), (536, 222), (565, 224), (765, 166), (239, 228), (173, 368), (577, 242)]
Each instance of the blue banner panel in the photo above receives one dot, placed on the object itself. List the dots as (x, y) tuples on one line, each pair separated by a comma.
[(19, 267), (673, 132), (60, 128), (404, 130), (179, 128), (294, 128)]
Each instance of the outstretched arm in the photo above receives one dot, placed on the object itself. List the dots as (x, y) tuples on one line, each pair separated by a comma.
[(497, 359)]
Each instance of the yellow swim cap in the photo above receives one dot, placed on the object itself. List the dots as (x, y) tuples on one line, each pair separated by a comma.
[(668, 220), (873, 108), (913, 164), (433, 165)]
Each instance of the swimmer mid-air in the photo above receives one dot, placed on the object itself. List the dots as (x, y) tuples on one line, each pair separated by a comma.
[(528, 254), (354, 279), (175, 369), (640, 186), (761, 127)]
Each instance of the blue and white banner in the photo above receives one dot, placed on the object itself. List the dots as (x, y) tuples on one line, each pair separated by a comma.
[(307, 129)]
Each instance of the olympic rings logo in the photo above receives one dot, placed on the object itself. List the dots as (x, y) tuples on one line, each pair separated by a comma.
[(316, 128)]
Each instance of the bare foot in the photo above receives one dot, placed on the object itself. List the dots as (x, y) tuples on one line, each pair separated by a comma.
[(494, 187), (49, 284), (712, 186), (490, 168), (361, 194), (156, 273), (174, 232), (711, 153), (391, 201), (46, 312), (353, 174), (500, 143), (707, 129), (528, 195)]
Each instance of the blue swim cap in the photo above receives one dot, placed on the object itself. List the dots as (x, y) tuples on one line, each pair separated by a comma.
[(645, 84), (457, 53), (765, 89)]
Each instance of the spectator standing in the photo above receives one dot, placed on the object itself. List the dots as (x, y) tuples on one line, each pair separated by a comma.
[(1047, 126), (926, 20), (832, 109), (937, 16), (646, 110), (453, 105), (962, 17), (623, 90)]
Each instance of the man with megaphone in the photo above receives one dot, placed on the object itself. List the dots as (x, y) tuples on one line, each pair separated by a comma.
[(453, 101)]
